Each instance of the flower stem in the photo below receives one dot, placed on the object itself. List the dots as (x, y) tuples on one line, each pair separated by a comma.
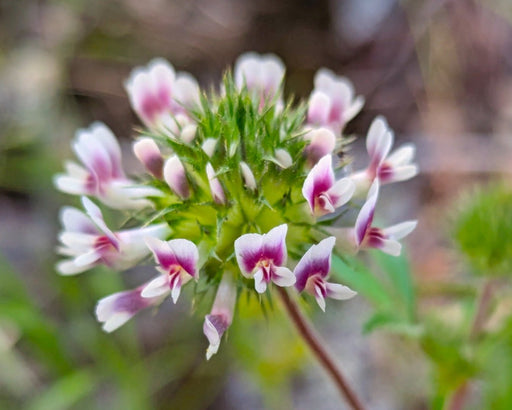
[(317, 346)]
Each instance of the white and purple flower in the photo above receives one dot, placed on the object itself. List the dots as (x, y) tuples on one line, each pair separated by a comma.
[(177, 261), (262, 75), (221, 315), (364, 235), (102, 175), (116, 309), (88, 241), (332, 103), (396, 167), (322, 192), (263, 257), (157, 94), (312, 272), (321, 143)]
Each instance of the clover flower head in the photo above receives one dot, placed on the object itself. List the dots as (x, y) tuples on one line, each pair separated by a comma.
[(240, 188)]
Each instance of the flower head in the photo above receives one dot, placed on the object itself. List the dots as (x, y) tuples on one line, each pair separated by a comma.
[(313, 270), (177, 261), (102, 175), (332, 103), (89, 242), (322, 192), (262, 257)]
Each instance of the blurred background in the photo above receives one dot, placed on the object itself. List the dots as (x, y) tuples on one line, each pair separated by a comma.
[(441, 73)]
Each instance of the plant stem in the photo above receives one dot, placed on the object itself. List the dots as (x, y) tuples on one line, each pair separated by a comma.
[(460, 395), (317, 346)]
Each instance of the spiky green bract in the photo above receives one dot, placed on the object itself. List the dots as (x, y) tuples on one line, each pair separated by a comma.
[(250, 130), (483, 230)]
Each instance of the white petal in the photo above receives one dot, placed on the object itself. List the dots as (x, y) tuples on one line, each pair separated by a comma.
[(209, 145), (68, 268), (283, 158), (379, 140), (157, 287), (390, 246), (175, 292), (339, 292), (70, 185), (87, 259), (259, 283), (248, 249), (188, 133), (319, 297), (248, 176), (354, 108), (116, 321), (402, 156), (186, 91), (402, 173), (283, 277), (94, 212), (400, 230), (74, 220)]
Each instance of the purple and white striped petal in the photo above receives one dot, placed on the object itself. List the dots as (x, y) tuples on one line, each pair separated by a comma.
[(321, 143), (175, 176), (148, 153), (115, 310), (215, 186), (365, 218), (221, 315)]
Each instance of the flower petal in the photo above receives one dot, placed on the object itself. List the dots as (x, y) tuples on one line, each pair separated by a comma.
[(260, 284), (156, 287), (402, 156), (148, 153), (274, 245), (248, 176), (283, 277), (379, 140), (74, 220), (365, 218), (215, 186), (186, 254), (400, 230), (209, 145), (319, 107), (283, 158), (175, 176), (316, 261), (322, 143), (94, 212), (341, 192), (248, 251), (318, 181), (339, 292)]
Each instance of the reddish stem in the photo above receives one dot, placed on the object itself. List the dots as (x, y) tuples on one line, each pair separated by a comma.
[(318, 348)]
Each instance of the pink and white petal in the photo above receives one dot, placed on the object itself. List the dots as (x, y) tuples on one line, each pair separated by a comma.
[(319, 107), (400, 230), (365, 217), (159, 286), (316, 261), (341, 192), (215, 186), (94, 212), (78, 240), (106, 138), (186, 91), (214, 327), (93, 154), (324, 205), (186, 254), (74, 220), (274, 245), (75, 170), (260, 283), (353, 109), (339, 292), (162, 252), (176, 289), (324, 79), (246, 71), (322, 143), (390, 246), (175, 176), (342, 92), (283, 158), (319, 180), (283, 277), (147, 152), (402, 156), (379, 140), (248, 176), (272, 73), (248, 251)]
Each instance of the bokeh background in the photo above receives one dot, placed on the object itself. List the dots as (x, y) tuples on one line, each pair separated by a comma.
[(439, 70)]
